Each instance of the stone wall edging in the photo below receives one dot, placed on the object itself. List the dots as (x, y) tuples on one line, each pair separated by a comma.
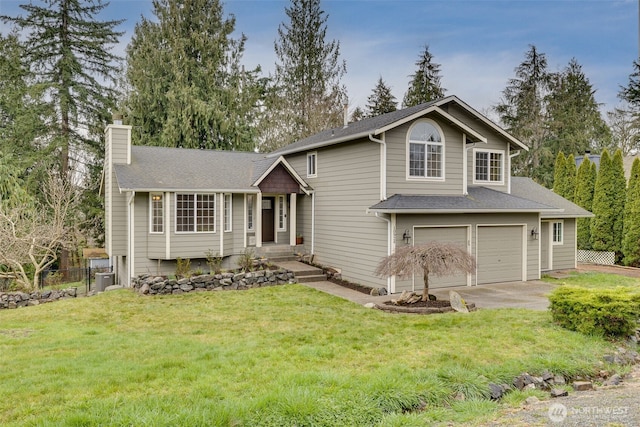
[(9, 300)]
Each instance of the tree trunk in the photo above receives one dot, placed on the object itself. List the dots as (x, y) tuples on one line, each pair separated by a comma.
[(425, 291)]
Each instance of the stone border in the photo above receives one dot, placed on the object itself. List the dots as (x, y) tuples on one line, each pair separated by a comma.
[(9, 300), (147, 284), (420, 310)]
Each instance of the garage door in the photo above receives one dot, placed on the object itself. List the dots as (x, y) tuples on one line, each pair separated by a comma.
[(499, 256), (456, 235)]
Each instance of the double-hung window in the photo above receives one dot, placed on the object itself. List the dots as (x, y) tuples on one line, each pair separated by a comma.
[(425, 154), (312, 165), (157, 213), (228, 213), (249, 212), (557, 232), (195, 213), (488, 166)]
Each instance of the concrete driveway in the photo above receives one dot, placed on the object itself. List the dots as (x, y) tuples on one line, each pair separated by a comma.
[(531, 294)]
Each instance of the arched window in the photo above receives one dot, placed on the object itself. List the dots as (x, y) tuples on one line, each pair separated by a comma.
[(425, 157)]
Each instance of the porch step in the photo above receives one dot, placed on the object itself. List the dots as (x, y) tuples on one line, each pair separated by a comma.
[(311, 278)]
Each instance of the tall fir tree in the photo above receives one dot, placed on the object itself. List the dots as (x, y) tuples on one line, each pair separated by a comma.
[(608, 205), (522, 111), (631, 239), (188, 86), (574, 120), (381, 100), (70, 54), (309, 95), (585, 183), (570, 178), (425, 83), (559, 174), (631, 92)]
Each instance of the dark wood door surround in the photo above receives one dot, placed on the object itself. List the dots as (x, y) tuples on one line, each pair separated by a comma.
[(268, 219)]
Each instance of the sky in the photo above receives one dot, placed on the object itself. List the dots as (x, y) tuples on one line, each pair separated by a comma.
[(478, 43)]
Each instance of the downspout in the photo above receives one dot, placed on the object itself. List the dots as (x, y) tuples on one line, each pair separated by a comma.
[(132, 247), (465, 166), (511, 156), (383, 166), (313, 222), (388, 221)]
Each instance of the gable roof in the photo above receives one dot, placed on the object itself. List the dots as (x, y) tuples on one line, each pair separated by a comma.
[(479, 200), (376, 125), (181, 169), (526, 187)]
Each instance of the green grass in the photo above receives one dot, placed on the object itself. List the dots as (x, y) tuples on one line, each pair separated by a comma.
[(595, 280), (277, 356)]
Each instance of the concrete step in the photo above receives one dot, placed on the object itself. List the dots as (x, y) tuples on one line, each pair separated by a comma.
[(311, 278), (281, 258)]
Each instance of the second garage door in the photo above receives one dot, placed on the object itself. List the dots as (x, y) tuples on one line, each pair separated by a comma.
[(456, 235), (499, 254)]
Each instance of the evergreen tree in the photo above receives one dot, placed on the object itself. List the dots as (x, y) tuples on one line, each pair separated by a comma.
[(575, 123), (631, 92), (69, 51), (381, 100), (188, 88), (309, 97), (631, 239), (570, 178), (608, 204), (425, 83), (559, 175), (357, 114), (585, 183), (522, 111)]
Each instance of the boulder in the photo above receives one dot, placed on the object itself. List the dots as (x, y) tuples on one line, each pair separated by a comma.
[(582, 385)]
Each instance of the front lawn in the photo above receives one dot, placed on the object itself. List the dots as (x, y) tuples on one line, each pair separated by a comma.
[(595, 280), (278, 356)]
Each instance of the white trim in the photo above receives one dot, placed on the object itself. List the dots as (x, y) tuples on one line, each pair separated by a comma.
[(468, 244), (287, 166), (502, 166), (282, 212), (293, 226), (440, 143), (553, 233), (467, 211), (313, 222), (167, 215), (131, 249), (152, 212), (224, 212), (195, 213), (524, 246), (220, 207), (313, 154), (258, 221)]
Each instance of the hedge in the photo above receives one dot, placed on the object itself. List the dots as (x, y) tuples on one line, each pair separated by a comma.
[(603, 312)]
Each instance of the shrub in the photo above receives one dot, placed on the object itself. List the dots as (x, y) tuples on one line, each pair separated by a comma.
[(246, 260), (183, 268), (603, 312), (214, 261)]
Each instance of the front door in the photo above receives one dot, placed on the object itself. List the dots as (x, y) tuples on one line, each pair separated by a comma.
[(268, 219)]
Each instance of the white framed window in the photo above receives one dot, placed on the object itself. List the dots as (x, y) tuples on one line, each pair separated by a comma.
[(557, 230), (425, 151), (156, 211), (250, 202), (282, 213), (228, 212), (312, 165), (195, 213), (488, 166)]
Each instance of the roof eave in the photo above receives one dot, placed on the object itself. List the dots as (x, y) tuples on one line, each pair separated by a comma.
[(319, 144), (459, 211), (189, 190)]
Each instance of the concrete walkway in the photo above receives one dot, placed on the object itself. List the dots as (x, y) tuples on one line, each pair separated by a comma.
[(531, 295)]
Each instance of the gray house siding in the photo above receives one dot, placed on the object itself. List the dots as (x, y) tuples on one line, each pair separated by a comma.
[(477, 224), (564, 255), (347, 183), (397, 182)]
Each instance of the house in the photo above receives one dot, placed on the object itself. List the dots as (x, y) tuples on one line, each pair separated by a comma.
[(436, 171)]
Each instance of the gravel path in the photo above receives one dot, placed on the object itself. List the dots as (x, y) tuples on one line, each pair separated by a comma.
[(606, 406)]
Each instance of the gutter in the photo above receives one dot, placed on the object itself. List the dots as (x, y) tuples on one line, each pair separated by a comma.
[(383, 165)]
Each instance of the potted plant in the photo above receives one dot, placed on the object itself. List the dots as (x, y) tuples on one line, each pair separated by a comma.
[(299, 239)]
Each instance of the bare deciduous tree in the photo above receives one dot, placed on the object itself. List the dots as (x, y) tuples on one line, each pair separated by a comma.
[(435, 258), (33, 233)]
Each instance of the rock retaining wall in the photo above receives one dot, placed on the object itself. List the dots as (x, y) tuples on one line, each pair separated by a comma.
[(152, 285), (23, 299)]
